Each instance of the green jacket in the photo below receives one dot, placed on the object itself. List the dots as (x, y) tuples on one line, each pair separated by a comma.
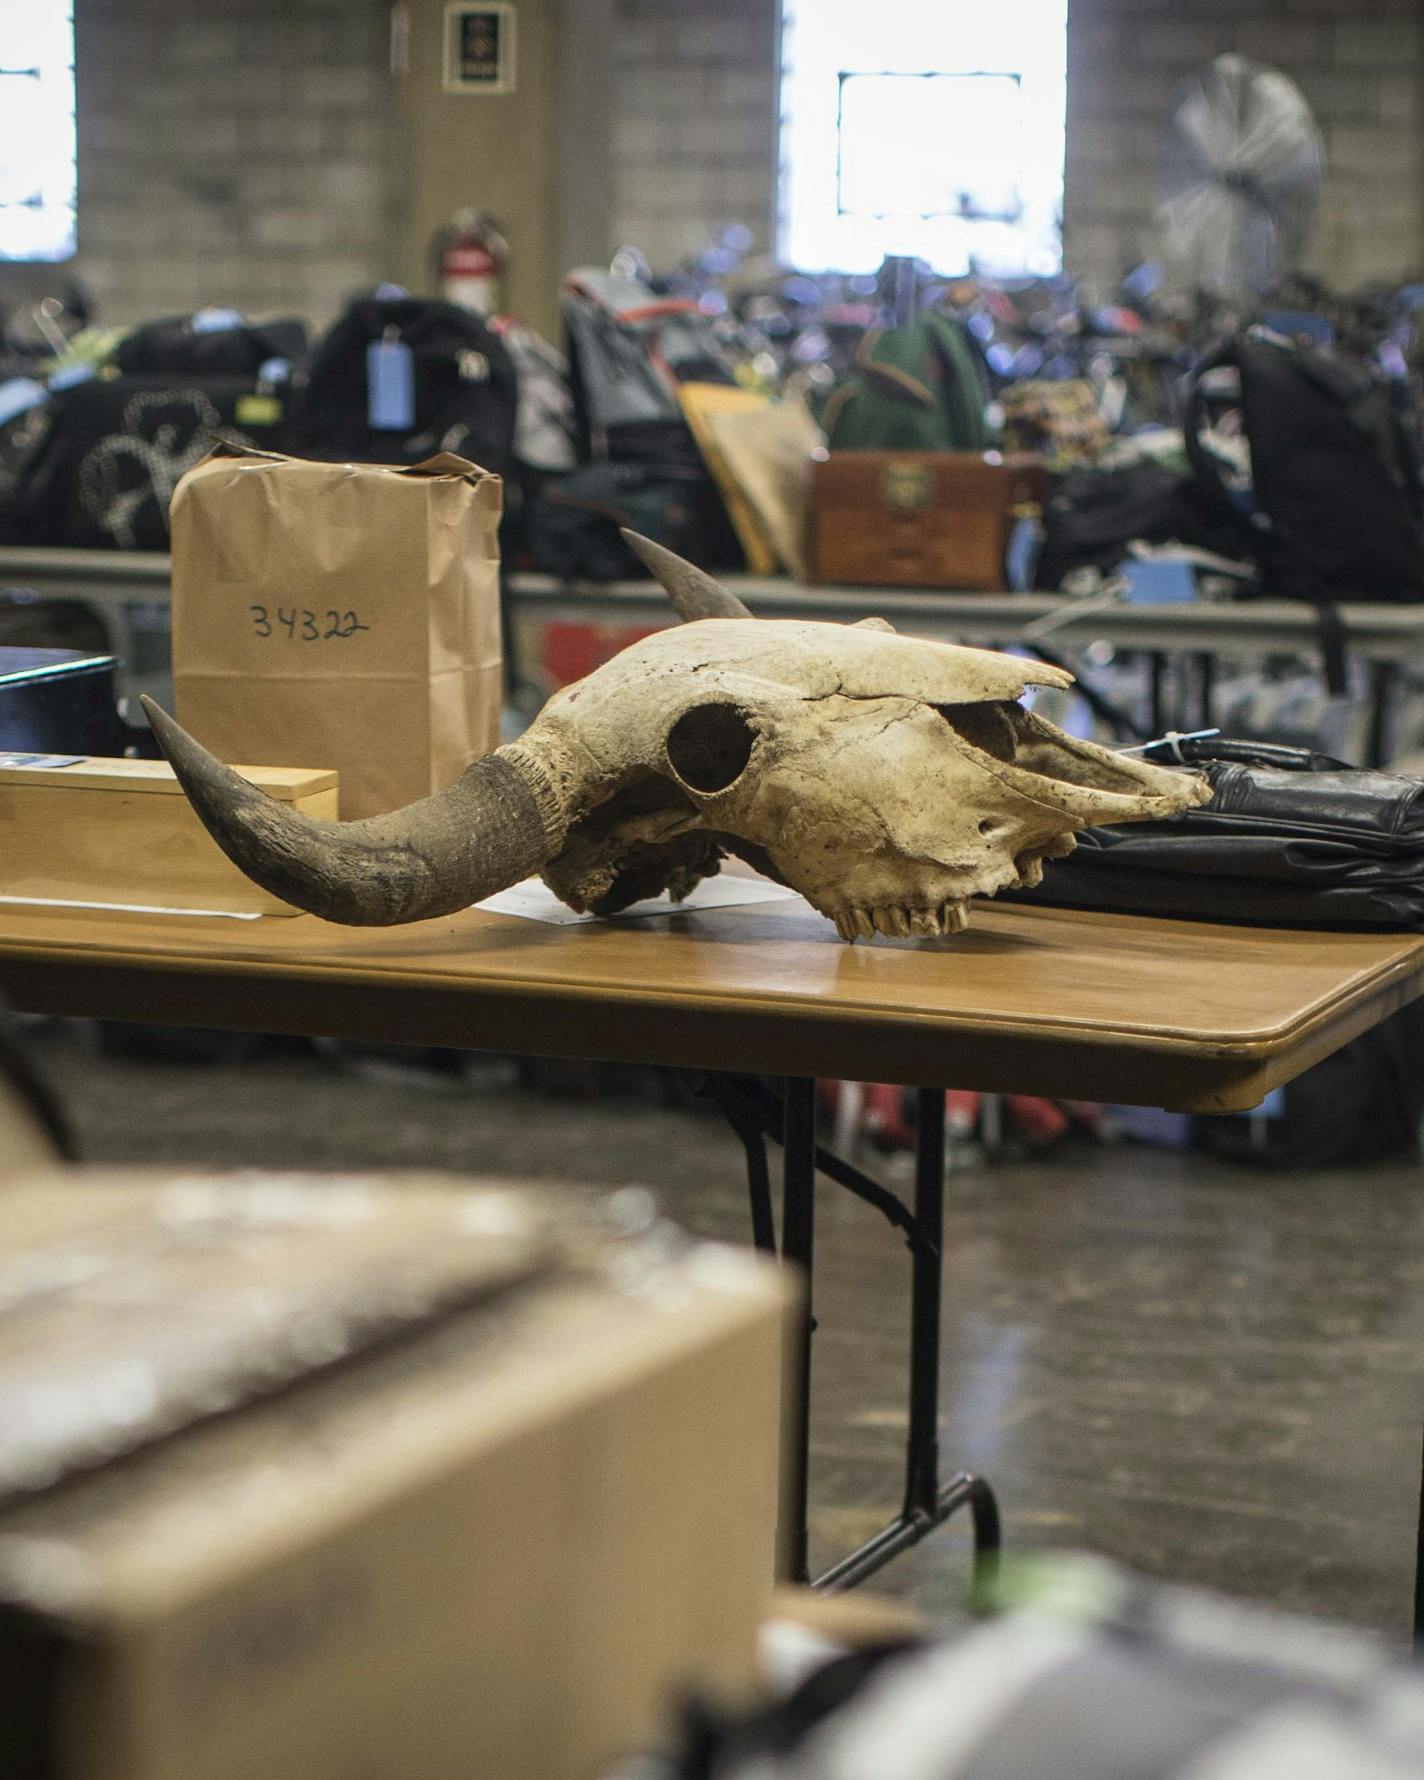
[(921, 387)]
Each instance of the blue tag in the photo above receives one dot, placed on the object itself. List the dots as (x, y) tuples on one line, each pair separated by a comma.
[(1158, 582), (70, 375), (1021, 557), (215, 321), (1297, 322), (17, 394), (390, 386)]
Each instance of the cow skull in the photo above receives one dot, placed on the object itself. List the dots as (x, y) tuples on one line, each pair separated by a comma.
[(887, 779)]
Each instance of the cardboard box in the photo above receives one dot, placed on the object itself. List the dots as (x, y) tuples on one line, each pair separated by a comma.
[(120, 833), (342, 614), (858, 1619), (920, 518), (350, 1480)]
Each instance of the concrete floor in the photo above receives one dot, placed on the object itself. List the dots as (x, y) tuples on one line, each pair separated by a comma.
[(1209, 1374)]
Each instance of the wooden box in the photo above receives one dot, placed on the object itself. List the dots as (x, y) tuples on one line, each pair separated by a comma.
[(120, 833), (920, 518)]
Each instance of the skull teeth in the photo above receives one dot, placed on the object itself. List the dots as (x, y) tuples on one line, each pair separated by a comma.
[(899, 921), (1030, 872), (892, 921)]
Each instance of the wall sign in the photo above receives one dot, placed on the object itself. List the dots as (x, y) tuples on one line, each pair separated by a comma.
[(479, 48)]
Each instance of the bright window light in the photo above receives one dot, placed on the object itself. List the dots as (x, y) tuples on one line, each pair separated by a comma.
[(938, 134), (37, 170), (911, 145)]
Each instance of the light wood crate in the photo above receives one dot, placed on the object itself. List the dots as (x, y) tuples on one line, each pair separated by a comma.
[(120, 833)]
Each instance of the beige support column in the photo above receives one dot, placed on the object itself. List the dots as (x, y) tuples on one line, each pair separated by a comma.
[(496, 152), (587, 107)]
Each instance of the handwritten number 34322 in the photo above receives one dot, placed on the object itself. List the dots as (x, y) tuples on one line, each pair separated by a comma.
[(303, 625)]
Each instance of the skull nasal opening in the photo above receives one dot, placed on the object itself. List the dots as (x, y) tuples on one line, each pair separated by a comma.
[(991, 726), (709, 747)]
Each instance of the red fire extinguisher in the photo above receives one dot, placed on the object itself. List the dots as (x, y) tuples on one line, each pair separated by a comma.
[(470, 255)]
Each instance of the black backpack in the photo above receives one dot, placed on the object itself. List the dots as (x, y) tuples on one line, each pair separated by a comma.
[(1335, 472), (203, 346), (464, 387)]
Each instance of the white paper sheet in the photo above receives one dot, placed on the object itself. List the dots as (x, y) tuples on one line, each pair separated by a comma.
[(534, 901), (131, 908)]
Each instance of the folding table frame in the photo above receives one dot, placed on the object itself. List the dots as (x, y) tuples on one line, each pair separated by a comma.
[(756, 1112)]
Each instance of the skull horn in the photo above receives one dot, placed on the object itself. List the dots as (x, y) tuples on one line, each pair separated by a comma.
[(693, 593), (494, 826)]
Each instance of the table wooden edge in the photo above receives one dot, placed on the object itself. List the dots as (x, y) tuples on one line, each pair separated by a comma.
[(712, 1032)]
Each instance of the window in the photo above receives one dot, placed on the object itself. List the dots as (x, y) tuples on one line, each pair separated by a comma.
[(922, 127), (37, 170)]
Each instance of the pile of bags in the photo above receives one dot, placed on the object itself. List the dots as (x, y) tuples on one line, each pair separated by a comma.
[(1296, 459), (89, 458), (90, 461)]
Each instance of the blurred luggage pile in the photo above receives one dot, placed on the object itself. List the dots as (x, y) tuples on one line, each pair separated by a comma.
[(692, 405)]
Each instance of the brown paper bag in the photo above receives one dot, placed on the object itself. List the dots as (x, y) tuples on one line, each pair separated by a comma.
[(339, 615)]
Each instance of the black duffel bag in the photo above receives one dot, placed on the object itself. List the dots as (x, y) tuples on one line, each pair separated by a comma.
[(1289, 839), (101, 465), (1093, 514)]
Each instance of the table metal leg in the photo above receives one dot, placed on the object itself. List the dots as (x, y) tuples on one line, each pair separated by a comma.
[(1384, 676), (755, 1112), (798, 1239), (927, 1261), (927, 1503), (1157, 691), (737, 1099), (1205, 690)]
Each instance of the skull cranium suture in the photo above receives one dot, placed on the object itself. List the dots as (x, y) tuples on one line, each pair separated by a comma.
[(886, 778)]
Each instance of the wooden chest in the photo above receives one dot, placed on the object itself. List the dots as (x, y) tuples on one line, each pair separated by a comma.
[(120, 833), (920, 518)]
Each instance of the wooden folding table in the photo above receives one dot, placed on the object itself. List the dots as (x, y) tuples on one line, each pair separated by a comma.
[(1183, 1015)]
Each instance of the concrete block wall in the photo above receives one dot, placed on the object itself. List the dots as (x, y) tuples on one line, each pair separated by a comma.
[(255, 156), (1359, 63), (240, 156), (694, 123), (694, 139)]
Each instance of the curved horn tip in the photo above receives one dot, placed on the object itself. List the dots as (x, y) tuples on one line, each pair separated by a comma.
[(693, 592), (187, 757)]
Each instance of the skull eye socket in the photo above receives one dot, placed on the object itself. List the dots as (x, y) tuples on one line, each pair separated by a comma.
[(709, 746)]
